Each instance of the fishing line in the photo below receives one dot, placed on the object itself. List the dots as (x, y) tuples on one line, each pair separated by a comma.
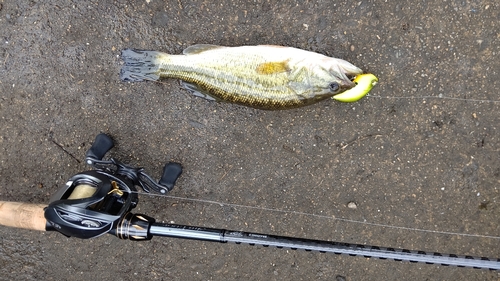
[(321, 216), (344, 219), (333, 218), (437, 97), (413, 97)]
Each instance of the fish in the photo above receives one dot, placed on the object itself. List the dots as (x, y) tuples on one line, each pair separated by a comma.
[(264, 76)]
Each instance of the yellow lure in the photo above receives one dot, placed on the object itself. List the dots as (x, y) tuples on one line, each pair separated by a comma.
[(364, 83)]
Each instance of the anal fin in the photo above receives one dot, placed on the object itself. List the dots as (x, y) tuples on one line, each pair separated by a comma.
[(197, 91)]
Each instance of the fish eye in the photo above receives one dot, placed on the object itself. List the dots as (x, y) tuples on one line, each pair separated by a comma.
[(334, 87)]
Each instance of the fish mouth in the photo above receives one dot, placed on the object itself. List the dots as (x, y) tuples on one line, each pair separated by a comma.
[(346, 81), (346, 85), (346, 73), (349, 70)]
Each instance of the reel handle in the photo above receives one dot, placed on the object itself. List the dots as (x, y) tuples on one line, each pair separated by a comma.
[(171, 172), (102, 144)]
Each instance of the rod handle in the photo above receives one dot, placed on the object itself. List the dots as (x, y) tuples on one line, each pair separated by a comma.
[(23, 215)]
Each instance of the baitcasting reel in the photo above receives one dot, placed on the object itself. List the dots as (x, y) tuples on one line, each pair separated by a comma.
[(96, 202)]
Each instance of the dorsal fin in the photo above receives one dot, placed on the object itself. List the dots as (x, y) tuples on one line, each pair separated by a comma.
[(200, 48)]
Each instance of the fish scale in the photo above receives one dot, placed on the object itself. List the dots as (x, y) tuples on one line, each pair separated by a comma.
[(213, 76)]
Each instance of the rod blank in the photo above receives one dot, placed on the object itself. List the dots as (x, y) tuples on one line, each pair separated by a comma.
[(225, 236)]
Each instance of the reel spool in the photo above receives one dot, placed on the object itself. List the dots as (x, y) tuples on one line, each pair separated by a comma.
[(82, 191)]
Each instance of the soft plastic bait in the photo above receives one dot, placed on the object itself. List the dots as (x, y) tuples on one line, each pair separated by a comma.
[(364, 83)]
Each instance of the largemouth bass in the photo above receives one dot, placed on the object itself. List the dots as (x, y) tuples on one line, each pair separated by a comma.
[(264, 77)]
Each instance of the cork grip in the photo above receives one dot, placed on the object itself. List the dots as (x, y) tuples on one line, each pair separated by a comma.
[(22, 215)]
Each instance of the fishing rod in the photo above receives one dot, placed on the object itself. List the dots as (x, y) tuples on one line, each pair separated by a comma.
[(99, 201)]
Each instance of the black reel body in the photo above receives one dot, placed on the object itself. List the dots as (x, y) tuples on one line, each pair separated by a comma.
[(107, 198), (96, 202)]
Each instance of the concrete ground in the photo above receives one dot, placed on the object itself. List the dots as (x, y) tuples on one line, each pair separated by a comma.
[(423, 173)]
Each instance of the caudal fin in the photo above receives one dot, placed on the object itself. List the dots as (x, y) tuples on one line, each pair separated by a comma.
[(140, 65)]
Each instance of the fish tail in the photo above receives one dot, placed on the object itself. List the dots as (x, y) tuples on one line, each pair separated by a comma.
[(140, 65)]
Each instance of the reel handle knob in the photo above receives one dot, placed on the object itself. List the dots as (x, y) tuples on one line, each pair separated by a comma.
[(102, 144), (171, 172)]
